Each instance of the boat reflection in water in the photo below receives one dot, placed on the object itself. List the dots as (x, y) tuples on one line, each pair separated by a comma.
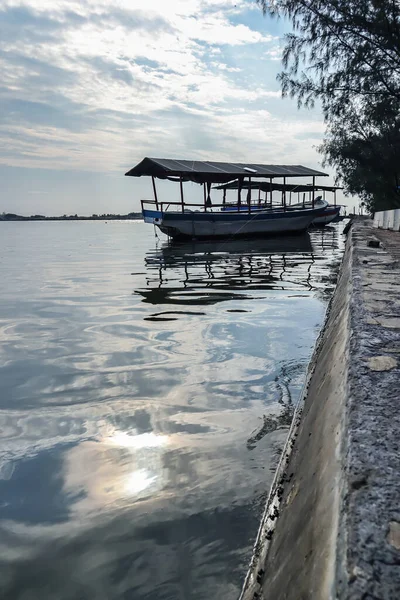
[(205, 273)]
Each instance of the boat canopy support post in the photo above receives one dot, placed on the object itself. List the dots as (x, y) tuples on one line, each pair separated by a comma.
[(259, 195), (334, 197), (270, 190), (224, 197), (153, 181), (313, 191), (240, 183), (284, 194), (182, 199), (208, 200), (205, 197), (248, 198)]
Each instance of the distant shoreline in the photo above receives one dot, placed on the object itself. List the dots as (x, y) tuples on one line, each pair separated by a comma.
[(104, 217)]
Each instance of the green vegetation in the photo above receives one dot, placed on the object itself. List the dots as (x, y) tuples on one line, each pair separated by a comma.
[(346, 54)]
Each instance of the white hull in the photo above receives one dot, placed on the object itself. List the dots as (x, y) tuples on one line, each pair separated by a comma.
[(211, 228), (331, 212)]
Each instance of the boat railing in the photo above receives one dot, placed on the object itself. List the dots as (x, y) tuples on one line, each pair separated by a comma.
[(233, 207)]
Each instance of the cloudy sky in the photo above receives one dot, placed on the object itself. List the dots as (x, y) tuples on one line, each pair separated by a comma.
[(90, 87)]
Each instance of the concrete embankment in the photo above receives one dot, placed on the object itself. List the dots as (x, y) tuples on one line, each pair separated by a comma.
[(332, 523)]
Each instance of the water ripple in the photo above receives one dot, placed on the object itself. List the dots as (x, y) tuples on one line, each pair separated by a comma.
[(145, 393)]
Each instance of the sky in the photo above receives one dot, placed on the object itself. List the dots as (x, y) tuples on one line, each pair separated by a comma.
[(91, 87)]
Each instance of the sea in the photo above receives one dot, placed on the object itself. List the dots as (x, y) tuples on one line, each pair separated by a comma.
[(146, 391)]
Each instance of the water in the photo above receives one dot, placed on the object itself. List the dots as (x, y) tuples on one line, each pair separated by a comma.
[(145, 395)]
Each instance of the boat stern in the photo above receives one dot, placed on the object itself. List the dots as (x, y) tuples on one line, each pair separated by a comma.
[(152, 216)]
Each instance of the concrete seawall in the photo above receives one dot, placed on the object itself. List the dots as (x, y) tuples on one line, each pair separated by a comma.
[(332, 523)]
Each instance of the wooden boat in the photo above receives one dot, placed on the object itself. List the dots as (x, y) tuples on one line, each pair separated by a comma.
[(331, 212), (185, 220)]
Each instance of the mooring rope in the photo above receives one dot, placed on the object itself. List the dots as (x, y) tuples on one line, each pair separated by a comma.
[(236, 232)]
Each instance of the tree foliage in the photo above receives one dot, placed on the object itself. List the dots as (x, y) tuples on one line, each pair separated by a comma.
[(346, 54), (363, 143)]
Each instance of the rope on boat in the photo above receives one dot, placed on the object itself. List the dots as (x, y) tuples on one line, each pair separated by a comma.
[(236, 232), (155, 232)]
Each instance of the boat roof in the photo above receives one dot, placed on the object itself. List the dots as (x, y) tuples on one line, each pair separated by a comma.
[(215, 172), (266, 186)]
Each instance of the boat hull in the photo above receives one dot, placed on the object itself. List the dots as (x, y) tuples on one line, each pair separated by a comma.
[(329, 215), (209, 225)]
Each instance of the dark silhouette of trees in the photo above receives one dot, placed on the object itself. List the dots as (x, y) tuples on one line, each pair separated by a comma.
[(346, 55)]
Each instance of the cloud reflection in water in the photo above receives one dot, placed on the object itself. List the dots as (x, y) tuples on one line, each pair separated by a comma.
[(142, 479), (115, 470)]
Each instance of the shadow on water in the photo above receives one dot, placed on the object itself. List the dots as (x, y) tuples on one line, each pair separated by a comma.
[(144, 404)]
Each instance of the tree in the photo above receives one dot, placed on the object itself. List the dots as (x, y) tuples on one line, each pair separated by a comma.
[(364, 146), (346, 54)]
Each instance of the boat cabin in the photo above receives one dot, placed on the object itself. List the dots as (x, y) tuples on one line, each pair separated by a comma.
[(223, 175)]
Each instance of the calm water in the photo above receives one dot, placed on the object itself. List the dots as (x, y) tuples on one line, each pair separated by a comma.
[(145, 394)]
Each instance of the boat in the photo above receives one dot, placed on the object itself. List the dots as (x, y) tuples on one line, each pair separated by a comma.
[(330, 214), (189, 220)]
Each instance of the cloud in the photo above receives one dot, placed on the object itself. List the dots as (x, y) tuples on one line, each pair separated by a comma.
[(27, 25), (274, 53), (95, 85)]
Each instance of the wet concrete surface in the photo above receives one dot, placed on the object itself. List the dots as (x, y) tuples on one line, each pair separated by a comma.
[(332, 523)]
